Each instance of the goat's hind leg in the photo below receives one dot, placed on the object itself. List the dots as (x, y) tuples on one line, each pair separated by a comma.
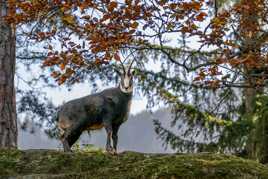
[(65, 142), (66, 146), (70, 138), (62, 137), (73, 134)]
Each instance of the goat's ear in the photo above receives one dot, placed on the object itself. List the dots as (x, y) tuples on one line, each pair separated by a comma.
[(133, 72), (121, 71), (117, 71)]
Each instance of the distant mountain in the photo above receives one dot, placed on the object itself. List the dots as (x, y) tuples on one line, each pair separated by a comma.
[(136, 134)]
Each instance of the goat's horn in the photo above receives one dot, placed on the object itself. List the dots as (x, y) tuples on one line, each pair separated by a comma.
[(129, 67), (122, 64)]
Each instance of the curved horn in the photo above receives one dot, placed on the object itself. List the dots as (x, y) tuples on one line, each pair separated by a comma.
[(122, 64), (129, 67)]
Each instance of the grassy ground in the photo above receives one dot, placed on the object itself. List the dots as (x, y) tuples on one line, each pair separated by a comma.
[(44, 164)]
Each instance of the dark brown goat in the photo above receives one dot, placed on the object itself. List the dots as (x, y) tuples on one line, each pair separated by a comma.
[(108, 109)]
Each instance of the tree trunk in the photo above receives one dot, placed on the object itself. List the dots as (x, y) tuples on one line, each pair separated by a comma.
[(8, 123), (261, 138), (250, 31), (249, 101), (257, 146)]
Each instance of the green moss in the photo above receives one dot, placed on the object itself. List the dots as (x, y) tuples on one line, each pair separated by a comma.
[(56, 164)]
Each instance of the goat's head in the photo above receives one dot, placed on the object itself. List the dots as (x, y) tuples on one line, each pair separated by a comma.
[(126, 75)]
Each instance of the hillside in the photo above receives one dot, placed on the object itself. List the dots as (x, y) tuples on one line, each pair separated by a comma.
[(44, 164)]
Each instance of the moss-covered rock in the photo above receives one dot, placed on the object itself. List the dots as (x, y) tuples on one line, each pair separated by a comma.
[(44, 164)]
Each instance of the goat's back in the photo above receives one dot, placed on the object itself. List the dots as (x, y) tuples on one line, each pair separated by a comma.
[(111, 103)]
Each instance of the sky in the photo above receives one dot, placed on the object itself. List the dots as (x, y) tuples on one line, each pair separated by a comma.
[(61, 94)]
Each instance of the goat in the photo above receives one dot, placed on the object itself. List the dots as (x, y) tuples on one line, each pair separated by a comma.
[(108, 109)]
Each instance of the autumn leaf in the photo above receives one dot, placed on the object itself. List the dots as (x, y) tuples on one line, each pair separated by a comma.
[(61, 80), (201, 16), (112, 6), (173, 6), (134, 25), (69, 72), (170, 26), (117, 57), (69, 19), (132, 31), (55, 74), (62, 66), (162, 2), (97, 61), (196, 5)]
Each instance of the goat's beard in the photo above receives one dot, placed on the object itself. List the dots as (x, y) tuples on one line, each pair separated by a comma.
[(124, 90)]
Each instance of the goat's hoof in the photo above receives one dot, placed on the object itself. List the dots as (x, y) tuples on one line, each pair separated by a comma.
[(111, 151), (114, 153)]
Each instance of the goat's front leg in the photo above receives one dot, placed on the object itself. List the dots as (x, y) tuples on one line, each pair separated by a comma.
[(115, 136), (109, 131), (66, 146)]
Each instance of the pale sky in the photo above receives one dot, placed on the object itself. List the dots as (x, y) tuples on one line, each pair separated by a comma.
[(61, 94)]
